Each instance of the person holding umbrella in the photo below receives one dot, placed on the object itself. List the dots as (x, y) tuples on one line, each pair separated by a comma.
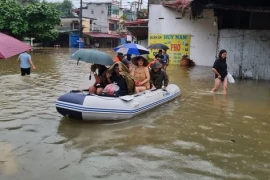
[(99, 60), (101, 82), (25, 62)]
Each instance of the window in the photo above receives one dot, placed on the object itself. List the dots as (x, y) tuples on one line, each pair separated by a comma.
[(75, 25), (111, 27), (109, 10), (102, 11), (92, 11), (234, 20)]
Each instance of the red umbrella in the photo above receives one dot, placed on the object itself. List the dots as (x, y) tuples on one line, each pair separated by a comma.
[(10, 46)]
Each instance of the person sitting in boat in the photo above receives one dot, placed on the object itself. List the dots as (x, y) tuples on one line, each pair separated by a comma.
[(121, 58), (118, 74), (100, 82), (158, 76), (141, 74), (154, 60)]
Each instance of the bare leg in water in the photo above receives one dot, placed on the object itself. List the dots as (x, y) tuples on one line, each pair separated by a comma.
[(225, 85), (217, 84)]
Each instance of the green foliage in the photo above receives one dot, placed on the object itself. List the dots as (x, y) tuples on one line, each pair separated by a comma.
[(42, 20), (64, 8), (28, 1), (12, 18), (124, 17), (37, 20)]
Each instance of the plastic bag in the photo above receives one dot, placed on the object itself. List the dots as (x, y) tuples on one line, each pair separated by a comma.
[(110, 89), (230, 78)]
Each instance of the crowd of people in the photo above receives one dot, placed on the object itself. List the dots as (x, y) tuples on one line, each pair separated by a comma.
[(134, 75), (130, 75)]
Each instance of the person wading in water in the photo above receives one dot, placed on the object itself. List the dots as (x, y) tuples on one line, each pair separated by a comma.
[(220, 70)]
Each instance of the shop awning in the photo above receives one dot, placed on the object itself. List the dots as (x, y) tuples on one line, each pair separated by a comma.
[(102, 35)]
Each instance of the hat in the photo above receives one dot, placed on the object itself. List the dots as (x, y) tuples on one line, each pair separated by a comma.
[(135, 60), (120, 54), (156, 65)]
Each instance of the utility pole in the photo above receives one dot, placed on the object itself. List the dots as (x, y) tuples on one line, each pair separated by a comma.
[(141, 5), (81, 19), (148, 9)]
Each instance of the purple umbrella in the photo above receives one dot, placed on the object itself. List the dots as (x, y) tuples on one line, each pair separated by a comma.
[(10, 46)]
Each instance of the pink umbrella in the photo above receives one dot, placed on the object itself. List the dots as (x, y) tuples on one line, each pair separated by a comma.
[(10, 46)]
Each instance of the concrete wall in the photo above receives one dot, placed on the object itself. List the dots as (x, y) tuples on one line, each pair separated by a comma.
[(203, 32), (102, 22), (144, 42), (86, 24), (248, 52)]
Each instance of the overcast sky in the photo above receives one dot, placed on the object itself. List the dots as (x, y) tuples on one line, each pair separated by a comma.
[(125, 3)]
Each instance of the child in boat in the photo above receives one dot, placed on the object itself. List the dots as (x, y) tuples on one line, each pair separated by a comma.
[(158, 77)]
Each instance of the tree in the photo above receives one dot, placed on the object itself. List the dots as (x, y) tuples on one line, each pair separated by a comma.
[(124, 17), (28, 1), (36, 20), (42, 20), (12, 18), (65, 8)]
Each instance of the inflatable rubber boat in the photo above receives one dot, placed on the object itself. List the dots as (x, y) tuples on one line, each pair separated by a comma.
[(79, 105)]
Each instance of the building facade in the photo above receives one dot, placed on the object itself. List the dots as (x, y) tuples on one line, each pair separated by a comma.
[(238, 26), (107, 15), (203, 32)]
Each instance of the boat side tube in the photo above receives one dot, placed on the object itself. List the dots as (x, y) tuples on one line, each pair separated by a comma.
[(64, 105)]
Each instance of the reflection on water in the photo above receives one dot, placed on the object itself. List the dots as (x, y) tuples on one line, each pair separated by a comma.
[(198, 136)]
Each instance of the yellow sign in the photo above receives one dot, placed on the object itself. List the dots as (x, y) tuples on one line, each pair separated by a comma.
[(178, 44)]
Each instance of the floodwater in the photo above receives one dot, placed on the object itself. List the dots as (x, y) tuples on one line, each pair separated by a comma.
[(197, 136)]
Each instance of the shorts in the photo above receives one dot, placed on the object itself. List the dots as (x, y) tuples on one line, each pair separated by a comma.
[(25, 71)]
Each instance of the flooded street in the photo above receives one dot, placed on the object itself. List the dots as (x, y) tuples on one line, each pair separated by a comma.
[(197, 136)]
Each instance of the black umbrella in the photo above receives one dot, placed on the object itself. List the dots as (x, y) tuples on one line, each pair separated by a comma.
[(158, 46)]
